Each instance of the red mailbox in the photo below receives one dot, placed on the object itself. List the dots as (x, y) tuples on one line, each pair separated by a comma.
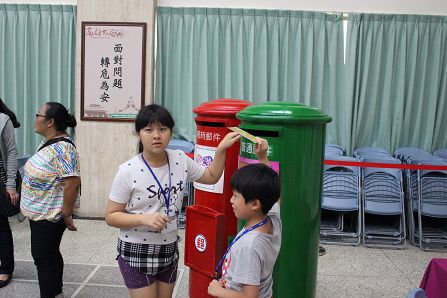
[(212, 120), (204, 246)]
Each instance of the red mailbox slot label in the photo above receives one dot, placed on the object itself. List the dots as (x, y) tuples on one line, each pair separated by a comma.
[(210, 135), (247, 151), (200, 242)]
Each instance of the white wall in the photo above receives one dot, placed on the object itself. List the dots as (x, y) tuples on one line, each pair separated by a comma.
[(433, 7)]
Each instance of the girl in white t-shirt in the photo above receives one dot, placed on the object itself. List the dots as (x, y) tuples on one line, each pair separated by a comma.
[(145, 201)]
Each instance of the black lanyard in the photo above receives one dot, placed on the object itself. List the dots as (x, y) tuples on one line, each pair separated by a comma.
[(168, 198), (236, 239)]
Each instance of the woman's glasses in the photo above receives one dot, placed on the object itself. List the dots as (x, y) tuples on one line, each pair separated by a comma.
[(39, 115)]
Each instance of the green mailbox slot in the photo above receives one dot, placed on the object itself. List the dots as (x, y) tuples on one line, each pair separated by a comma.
[(247, 155), (296, 136)]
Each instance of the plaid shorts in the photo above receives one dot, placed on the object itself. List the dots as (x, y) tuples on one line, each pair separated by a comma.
[(149, 259)]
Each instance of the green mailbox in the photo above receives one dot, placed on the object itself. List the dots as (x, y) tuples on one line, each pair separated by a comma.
[(296, 136)]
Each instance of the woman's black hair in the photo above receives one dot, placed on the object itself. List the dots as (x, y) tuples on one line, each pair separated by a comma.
[(62, 119), (152, 114), (257, 181), (4, 109)]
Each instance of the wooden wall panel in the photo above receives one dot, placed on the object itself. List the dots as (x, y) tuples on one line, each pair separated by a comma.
[(103, 146)]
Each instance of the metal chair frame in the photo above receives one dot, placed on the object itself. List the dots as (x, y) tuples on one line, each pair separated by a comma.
[(382, 187), (432, 202), (339, 183)]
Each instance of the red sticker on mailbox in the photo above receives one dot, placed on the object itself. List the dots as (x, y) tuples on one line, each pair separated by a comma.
[(200, 243)]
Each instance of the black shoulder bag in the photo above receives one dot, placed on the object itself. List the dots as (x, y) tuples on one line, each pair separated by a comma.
[(6, 207)]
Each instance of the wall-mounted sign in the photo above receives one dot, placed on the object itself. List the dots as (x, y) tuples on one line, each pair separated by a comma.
[(112, 70)]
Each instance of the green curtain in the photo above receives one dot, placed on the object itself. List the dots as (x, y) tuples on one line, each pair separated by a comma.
[(37, 62), (397, 80), (256, 55)]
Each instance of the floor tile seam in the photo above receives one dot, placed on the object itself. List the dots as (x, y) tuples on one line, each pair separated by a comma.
[(360, 276), (72, 263), (36, 281), (72, 283), (79, 289), (104, 285), (398, 268), (388, 272)]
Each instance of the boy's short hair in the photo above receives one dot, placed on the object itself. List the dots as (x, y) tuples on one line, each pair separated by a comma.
[(257, 181)]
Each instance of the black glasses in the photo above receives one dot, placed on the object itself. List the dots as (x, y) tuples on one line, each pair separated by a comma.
[(39, 115)]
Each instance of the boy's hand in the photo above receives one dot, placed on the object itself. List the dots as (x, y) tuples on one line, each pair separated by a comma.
[(214, 288), (229, 140), (158, 221), (261, 148)]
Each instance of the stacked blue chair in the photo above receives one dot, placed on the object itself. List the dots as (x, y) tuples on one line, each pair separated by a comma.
[(330, 221), (341, 194), (407, 155), (427, 198), (442, 153), (364, 153), (373, 152), (333, 150), (432, 197), (382, 197), (185, 146), (188, 199)]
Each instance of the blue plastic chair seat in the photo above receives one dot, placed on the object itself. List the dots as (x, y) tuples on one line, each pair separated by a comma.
[(432, 210), (340, 203), (185, 146), (383, 208)]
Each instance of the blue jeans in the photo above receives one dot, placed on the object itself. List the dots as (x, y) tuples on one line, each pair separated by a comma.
[(45, 242), (6, 247)]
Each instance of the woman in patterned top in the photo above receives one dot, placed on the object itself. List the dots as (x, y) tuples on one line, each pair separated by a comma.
[(8, 170), (145, 202), (49, 191)]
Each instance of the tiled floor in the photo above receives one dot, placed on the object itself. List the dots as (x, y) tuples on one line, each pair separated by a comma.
[(80, 280), (91, 271), (90, 268)]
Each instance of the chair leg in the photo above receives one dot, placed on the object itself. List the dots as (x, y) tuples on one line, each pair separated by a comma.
[(420, 227), (342, 237), (363, 220)]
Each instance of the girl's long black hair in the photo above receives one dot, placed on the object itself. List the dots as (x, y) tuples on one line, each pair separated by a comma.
[(4, 109)]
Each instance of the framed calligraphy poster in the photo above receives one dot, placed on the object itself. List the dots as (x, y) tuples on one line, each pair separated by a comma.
[(112, 70)]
